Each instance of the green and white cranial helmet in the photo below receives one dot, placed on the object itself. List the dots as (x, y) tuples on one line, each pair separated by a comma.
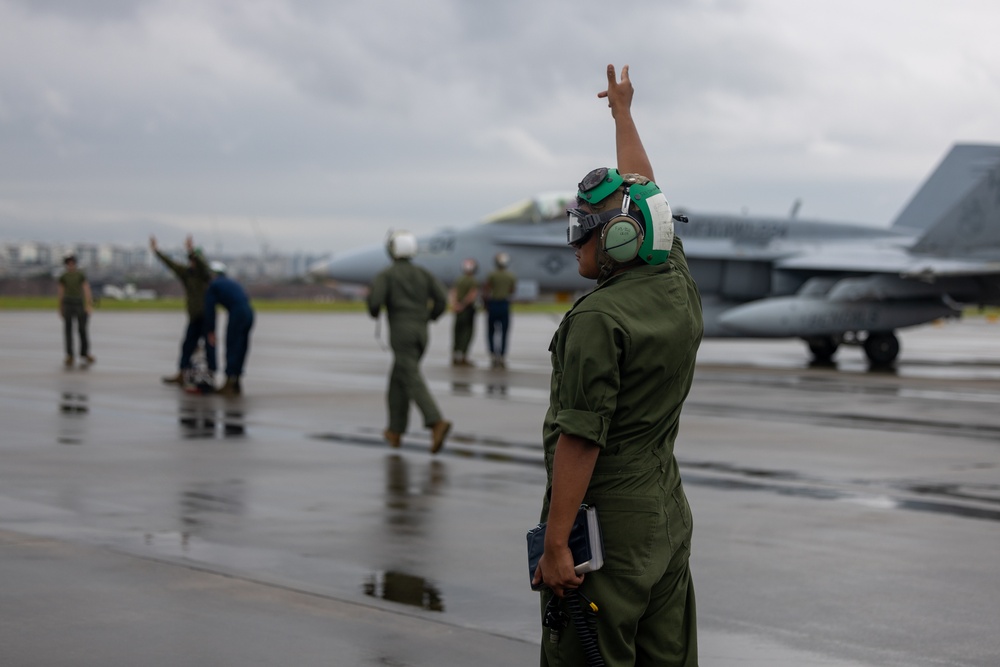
[(605, 196)]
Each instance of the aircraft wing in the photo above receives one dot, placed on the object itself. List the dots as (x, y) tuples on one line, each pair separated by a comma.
[(895, 261), (726, 249)]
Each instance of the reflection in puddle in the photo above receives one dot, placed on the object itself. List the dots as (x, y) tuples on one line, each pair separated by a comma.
[(158, 539), (72, 403), (408, 508), (200, 502), (461, 388), (210, 421), (941, 501), (404, 588), (496, 389), (74, 406)]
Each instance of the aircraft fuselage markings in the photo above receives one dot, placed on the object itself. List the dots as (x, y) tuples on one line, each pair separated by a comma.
[(741, 230), (441, 244), (553, 263), (864, 320)]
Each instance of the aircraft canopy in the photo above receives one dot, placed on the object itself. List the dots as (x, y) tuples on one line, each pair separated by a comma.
[(544, 207)]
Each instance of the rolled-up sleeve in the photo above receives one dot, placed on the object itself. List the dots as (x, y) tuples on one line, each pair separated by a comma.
[(589, 353)]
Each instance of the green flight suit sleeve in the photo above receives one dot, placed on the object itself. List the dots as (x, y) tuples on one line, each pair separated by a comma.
[(590, 379), (171, 264), (377, 294), (439, 299), (203, 268)]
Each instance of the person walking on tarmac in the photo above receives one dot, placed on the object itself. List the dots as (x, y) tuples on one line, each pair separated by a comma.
[(228, 293), (462, 300), (76, 302), (195, 277), (623, 360), (497, 292), (411, 297)]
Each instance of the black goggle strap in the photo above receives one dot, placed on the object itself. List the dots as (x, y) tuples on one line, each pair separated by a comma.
[(581, 223)]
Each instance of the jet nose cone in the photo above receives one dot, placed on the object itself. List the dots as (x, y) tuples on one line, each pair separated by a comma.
[(356, 266)]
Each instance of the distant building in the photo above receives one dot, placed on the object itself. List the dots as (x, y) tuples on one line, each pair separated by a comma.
[(120, 263)]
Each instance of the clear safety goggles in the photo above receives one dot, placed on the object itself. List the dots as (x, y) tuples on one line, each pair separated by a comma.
[(582, 223)]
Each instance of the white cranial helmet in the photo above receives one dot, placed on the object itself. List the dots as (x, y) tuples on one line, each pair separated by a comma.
[(402, 245)]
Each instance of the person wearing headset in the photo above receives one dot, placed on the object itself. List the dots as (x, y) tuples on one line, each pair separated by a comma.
[(623, 360), (411, 297)]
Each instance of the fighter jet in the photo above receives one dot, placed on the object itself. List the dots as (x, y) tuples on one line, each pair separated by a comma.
[(827, 283)]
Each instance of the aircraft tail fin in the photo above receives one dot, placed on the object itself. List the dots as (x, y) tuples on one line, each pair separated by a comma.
[(970, 227), (952, 181)]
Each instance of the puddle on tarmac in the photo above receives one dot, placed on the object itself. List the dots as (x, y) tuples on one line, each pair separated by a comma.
[(404, 588), (74, 407), (209, 421)]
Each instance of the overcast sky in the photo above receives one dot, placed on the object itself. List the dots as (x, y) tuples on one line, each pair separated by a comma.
[(315, 125)]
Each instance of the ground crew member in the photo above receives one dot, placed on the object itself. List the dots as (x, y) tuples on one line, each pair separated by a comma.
[(497, 292), (195, 277), (229, 294), (622, 363), (462, 300), (411, 297), (76, 302)]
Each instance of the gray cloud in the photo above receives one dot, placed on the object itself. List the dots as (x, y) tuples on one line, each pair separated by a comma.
[(328, 122)]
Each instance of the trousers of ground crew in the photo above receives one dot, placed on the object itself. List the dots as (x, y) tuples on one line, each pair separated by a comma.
[(405, 381), (644, 593), (73, 309), (465, 322)]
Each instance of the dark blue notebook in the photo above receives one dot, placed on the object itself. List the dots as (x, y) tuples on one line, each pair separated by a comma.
[(585, 542)]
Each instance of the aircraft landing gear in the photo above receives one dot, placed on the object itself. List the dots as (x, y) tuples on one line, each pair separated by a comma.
[(823, 348), (881, 348)]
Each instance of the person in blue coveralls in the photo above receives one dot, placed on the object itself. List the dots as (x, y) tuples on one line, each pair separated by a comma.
[(226, 292)]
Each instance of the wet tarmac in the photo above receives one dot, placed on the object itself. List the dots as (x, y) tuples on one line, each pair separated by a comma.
[(842, 517)]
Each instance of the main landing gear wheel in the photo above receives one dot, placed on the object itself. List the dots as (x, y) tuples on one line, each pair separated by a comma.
[(881, 348), (823, 348)]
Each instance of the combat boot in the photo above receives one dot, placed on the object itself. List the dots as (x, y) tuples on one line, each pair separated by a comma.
[(230, 388), (439, 432)]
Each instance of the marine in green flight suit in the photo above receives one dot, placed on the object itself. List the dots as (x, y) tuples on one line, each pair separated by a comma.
[(411, 297), (76, 303), (195, 276), (462, 301), (622, 365), (498, 289)]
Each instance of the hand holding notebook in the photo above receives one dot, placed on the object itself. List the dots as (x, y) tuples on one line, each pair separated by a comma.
[(585, 543)]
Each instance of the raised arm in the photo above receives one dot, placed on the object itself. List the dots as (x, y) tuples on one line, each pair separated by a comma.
[(632, 158)]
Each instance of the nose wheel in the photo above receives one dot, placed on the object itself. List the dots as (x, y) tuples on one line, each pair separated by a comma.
[(823, 348)]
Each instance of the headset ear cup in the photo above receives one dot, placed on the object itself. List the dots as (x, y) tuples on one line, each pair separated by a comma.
[(621, 239)]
